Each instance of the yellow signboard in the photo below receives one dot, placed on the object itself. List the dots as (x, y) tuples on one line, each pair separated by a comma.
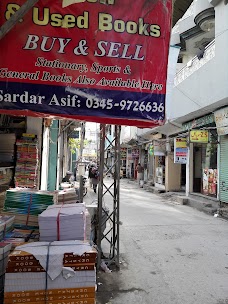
[(181, 142), (199, 136)]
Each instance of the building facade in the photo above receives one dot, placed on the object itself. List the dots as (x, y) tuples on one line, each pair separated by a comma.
[(196, 108)]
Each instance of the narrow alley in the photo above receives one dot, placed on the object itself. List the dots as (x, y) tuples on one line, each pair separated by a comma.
[(169, 253)]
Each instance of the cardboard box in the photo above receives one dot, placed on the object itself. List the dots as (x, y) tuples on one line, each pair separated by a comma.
[(54, 297), (81, 301), (69, 258), (60, 292), (38, 280), (11, 268)]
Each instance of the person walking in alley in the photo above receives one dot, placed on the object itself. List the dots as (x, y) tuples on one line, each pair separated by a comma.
[(90, 167), (95, 178), (139, 173)]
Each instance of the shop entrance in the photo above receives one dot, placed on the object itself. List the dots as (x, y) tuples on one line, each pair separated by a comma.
[(183, 176), (205, 169), (160, 171), (197, 179)]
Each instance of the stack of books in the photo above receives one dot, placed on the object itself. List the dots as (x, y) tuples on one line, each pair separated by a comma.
[(67, 196), (20, 236), (26, 205), (63, 222), (4, 253), (6, 175), (6, 225), (88, 226), (43, 273), (26, 171), (2, 199)]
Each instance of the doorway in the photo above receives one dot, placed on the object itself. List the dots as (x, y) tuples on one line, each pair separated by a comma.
[(183, 176), (197, 172)]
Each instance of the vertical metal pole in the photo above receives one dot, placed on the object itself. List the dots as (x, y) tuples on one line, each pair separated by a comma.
[(81, 189), (112, 188), (100, 192), (115, 196), (218, 166), (80, 163), (118, 130), (97, 139), (115, 234), (10, 23), (82, 139), (58, 156)]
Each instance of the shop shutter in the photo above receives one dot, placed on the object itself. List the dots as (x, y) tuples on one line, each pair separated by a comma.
[(52, 163), (223, 178)]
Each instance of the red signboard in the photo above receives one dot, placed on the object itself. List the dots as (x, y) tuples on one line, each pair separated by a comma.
[(103, 61)]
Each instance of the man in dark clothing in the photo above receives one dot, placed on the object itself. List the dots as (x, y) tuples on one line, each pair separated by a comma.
[(139, 173), (95, 178), (90, 174), (68, 177)]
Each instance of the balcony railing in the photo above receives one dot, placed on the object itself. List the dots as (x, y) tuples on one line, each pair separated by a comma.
[(195, 64)]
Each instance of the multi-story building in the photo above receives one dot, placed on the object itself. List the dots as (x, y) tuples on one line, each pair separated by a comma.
[(199, 101), (91, 142)]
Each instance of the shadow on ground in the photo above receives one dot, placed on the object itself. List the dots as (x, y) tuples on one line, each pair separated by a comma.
[(109, 285)]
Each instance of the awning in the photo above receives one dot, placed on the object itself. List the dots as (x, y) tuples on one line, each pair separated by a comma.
[(167, 129), (132, 142)]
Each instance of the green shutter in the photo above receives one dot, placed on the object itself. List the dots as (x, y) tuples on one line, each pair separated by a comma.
[(223, 176), (53, 151)]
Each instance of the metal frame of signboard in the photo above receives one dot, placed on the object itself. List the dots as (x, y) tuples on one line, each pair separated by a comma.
[(109, 219), (10, 23)]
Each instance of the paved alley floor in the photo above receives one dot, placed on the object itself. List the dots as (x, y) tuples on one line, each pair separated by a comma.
[(170, 253)]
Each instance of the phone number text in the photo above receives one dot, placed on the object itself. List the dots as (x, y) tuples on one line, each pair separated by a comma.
[(136, 106)]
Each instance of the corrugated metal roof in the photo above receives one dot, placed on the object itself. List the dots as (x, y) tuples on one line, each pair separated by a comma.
[(180, 7)]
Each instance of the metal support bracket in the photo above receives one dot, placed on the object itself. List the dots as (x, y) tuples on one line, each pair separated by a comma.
[(108, 220), (10, 23)]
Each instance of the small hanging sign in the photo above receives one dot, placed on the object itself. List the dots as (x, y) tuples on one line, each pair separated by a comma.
[(199, 136)]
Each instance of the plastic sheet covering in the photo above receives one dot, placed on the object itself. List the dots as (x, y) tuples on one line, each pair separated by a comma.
[(62, 222), (56, 251)]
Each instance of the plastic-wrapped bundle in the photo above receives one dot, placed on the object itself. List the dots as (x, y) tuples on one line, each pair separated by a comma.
[(67, 196), (26, 205), (51, 273), (63, 222), (4, 253)]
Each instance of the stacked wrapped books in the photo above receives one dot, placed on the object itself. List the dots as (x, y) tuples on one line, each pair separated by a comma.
[(18, 237), (67, 196), (6, 225), (44, 273), (4, 253), (88, 226), (2, 199), (26, 234), (26, 171), (6, 180), (61, 223), (26, 205), (6, 175)]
